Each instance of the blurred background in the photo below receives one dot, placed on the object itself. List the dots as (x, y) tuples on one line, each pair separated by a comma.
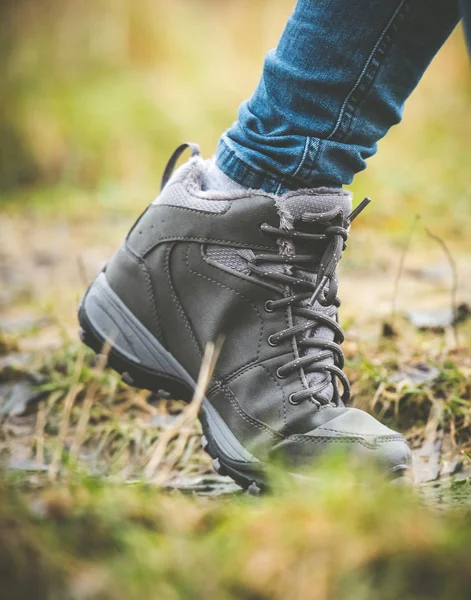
[(95, 95), (99, 92)]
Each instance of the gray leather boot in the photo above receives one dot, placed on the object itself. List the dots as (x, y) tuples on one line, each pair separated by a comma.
[(261, 270)]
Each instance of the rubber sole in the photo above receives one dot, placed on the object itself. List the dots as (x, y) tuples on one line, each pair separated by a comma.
[(106, 325)]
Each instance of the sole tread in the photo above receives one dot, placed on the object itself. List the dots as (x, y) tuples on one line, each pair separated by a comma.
[(254, 489), (126, 377)]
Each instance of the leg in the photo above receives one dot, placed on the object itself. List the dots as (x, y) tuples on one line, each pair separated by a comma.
[(336, 83)]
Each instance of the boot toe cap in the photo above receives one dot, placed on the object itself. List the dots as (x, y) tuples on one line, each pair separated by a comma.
[(353, 432)]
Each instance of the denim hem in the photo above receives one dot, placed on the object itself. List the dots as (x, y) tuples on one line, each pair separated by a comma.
[(244, 174), (303, 177)]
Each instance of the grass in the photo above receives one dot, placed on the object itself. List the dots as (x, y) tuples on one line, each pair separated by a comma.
[(92, 422), (105, 497), (346, 537), (88, 420)]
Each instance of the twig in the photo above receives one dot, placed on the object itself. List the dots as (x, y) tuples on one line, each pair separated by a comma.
[(189, 413), (454, 284), (400, 268)]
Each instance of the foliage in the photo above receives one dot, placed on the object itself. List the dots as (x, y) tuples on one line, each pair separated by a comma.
[(348, 535)]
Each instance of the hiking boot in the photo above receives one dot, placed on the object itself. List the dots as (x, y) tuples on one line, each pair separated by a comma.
[(261, 270)]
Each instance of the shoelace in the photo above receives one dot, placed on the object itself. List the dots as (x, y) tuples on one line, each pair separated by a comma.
[(334, 231)]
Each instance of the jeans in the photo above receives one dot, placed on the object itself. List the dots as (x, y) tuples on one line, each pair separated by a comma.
[(333, 87)]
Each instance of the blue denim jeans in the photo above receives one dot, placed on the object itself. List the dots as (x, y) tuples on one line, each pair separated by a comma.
[(333, 87)]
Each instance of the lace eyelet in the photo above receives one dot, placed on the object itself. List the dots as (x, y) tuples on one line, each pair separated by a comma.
[(280, 375), (291, 401), (269, 306), (272, 342)]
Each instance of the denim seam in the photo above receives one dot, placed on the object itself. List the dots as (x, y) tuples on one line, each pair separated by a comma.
[(310, 156), (367, 75), (293, 174)]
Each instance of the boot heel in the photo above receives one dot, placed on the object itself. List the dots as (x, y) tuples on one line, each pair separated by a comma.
[(107, 325)]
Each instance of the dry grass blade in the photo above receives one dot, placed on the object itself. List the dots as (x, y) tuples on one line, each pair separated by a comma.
[(82, 272), (400, 268), (377, 396), (74, 390), (427, 459), (87, 404), (39, 433), (454, 284), (140, 401), (183, 422)]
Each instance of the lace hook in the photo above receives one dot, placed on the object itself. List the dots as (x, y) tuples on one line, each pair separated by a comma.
[(354, 214), (318, 290)]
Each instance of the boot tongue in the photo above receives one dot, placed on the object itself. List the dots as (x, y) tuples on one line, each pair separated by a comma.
[(292, 207), (320, 200)]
